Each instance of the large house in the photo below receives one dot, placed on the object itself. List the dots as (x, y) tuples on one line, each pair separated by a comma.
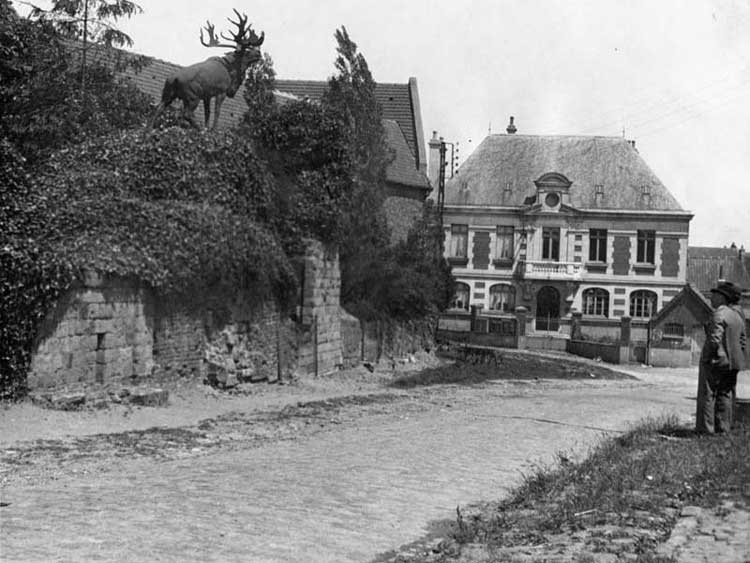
[(563, 224)]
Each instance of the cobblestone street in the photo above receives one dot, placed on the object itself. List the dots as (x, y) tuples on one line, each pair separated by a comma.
[(348, 493)]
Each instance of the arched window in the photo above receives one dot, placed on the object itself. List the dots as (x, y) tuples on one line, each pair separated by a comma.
[(461, 297), (596, 302), (642, 304), (502, 297)]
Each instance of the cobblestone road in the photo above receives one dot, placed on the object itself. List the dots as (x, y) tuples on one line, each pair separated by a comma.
[(347, 494)]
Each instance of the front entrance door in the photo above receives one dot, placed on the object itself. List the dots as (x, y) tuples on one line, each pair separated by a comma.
[(548, 309)]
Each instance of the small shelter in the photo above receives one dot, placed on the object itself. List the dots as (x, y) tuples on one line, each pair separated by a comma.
[(677, 331)]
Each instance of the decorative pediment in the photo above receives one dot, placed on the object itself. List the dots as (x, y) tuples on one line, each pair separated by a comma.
[(563, 209), (552, 181)]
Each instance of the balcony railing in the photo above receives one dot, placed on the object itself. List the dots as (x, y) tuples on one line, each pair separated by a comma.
[(540, 269)]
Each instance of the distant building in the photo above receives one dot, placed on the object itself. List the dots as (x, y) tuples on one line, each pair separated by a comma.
[(563, 224), (707, 265)]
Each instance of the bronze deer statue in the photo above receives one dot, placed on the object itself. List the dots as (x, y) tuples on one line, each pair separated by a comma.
[(216, 77)]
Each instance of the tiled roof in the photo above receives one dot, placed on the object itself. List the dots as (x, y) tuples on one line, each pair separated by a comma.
[(396, 100), (401, 170), (706, 265), (517, 161)]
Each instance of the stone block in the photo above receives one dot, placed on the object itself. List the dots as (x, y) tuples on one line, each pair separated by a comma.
[(91, 296), (148, 397), (103, 326), (67, 401)]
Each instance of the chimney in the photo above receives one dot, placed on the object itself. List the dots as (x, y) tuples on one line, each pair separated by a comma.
[(511, 129), (433, 165)]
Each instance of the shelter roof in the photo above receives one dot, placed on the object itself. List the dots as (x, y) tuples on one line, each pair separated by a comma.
[(688, 292)]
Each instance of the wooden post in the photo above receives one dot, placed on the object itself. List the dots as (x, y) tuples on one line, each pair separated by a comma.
[(362, 340), (315, 344), (278, 349)]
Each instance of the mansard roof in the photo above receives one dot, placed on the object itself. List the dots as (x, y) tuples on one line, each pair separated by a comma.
[(503, 168)]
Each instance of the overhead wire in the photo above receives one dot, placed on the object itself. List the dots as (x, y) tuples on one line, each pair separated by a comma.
[(674, 104), (643, 101)]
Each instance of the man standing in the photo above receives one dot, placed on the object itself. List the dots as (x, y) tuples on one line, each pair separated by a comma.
[(723, 355)]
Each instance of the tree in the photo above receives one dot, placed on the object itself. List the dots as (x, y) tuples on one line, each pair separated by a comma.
[(259, 86), (89, 21), (352, 94), (41, 105), (364, 243), (405, 281)]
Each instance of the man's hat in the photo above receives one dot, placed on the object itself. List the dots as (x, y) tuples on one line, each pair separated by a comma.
[(728, 290)]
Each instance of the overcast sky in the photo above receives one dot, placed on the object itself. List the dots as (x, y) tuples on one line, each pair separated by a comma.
[(673, 75)]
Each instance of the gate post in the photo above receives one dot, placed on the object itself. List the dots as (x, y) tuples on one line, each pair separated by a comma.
[(521, 312), (625, 327)]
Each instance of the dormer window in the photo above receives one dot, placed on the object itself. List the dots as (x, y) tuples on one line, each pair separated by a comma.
[(598, 194), (646, 195), (507, 192), (552, 190)]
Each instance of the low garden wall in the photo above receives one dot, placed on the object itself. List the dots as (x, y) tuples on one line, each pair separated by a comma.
[(373, 341), (588, 349)]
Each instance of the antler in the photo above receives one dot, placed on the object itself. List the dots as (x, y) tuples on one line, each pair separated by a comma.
[(245, 36), (213, 41)]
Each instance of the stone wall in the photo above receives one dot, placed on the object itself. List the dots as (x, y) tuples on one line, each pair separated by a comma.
[(376, 340), (243, 341), (320, 331), (110, 331), (402, 213), (99, 332)]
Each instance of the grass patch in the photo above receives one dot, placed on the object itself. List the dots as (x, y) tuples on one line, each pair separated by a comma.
[(630, 487), (509, 365)]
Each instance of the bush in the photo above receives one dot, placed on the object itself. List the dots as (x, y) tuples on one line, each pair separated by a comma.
[(43, 106), (183, 213)]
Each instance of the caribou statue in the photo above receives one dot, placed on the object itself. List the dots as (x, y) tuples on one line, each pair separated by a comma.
[(216, 77)]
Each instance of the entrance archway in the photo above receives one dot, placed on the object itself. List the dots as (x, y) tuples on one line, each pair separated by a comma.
[(548, 309)]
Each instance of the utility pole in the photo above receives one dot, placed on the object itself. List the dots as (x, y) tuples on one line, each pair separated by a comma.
[(441, 182), (85, 44)]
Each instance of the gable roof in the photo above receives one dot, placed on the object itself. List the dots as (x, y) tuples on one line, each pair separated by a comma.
[(517, 161), (399, 102), (707, 264), (688, 292), (401, 169)]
